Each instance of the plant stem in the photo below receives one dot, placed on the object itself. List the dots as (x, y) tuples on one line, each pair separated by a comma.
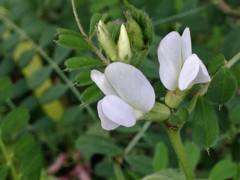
[(136, 138), (234, 60), (8, 159), (118, 172), (87, 39), (176, 141)]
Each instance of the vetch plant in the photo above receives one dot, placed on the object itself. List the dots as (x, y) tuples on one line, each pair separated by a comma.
[(129, 95)]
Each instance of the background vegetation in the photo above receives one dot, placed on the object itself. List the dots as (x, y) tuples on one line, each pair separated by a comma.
[(49, 129)]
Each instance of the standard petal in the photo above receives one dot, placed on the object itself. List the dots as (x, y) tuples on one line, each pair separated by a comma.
[(189, 72), (118, 111), (170, 59), (186, 44), (106, 123), (131, 85), (101, 81)]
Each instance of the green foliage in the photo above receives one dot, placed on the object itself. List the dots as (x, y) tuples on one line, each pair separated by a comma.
[(5, 88), (94, 20), (91, 144), (81, 62), (91, 94), (223, 170), (222, 87), (205, 126), (160, 159), (71, 39)]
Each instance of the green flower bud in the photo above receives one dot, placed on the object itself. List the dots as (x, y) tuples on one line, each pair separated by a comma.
[(106, 41), (159, 113), (135, 33), (124, 50), (174, 98)]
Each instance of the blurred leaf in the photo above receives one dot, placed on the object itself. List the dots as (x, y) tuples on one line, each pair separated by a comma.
[(15, 120), (71, 39), (20, 88), (91, 94), (6, 88), (193, 154), (29, 155), (94, 144), (53, 93), (236, 72), (232, 43), (222, 87), (83, 78), (3, 172), (60, 54), (30, 103), (94, 20), (205, 126), (26, 58), (104, 168), (39, 77), (160, 159), (6, 66), (140, 163), (216, 63), (82, 62), (234, 114), (47, 36), (168, 174), (223, 170)]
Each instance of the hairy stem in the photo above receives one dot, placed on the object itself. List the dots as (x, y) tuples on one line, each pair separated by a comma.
[(176, 141), (87, 39)]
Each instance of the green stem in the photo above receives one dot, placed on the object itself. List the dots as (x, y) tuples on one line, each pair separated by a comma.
[(136, 138), (176, 141), (118, 172), (8, 159), (87, 39), (234, 60)]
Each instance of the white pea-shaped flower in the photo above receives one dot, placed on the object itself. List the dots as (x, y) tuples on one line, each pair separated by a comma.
[(129, 95), (179, 68)]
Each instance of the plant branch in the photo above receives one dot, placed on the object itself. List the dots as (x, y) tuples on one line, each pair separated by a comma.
[(234, 60), (223, 6), (87, 39), (49, 60), (174, 135)]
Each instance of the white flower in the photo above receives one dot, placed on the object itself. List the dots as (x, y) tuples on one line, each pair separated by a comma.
[(179, 68), (129, 95)]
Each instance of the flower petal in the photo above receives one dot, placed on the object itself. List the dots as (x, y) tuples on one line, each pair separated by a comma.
[(106, 123), (186, 44), (170, 59), (118, 111), (101, 81), (202, 76), (131, 85), (189, 72)]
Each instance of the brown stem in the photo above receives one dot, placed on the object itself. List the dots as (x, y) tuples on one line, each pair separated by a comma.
[(223, 6)]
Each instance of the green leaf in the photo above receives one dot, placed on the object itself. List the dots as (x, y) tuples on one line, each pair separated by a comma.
[(94, 144), (82, 62), (20, 88), (205, 126), (39, 77), (83, 78), (30, 103), (53, 93), (3, 172), (71, 39), (234, 114), (104, 168), (140, 163), (15, 121), (193, 154), (216, 63), (224, 169), (91, 94), (94, 20), (160, 159), (168, 174), (222, 87), (60, 54), (25, 58), (5, 88)]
